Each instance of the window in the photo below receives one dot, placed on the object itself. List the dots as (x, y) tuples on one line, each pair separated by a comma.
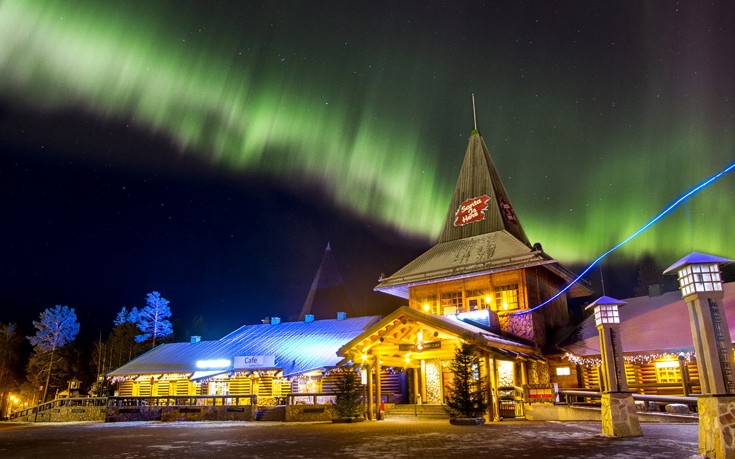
[(477, 300), (451, 302), (668, 371), (506, 297), (563, 371)]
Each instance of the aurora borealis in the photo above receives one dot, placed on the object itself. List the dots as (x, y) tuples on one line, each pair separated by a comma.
[(597, 117)]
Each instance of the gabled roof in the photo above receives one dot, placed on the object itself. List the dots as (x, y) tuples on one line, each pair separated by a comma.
[(481, 235), (449, 325), (648, 325), (298, 347), (328, 293)]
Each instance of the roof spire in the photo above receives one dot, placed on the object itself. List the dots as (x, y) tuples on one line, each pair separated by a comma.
[(474, 112)]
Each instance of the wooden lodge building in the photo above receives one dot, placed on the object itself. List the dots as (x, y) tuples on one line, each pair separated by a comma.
[(657, 341), (471, 285), (479, 283)]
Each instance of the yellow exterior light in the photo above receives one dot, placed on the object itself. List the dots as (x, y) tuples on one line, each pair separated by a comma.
[(426, 307)]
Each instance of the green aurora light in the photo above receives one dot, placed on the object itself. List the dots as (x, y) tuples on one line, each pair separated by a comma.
[(586, 162)]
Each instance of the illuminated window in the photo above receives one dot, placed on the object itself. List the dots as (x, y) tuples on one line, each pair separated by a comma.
[(563, 371), (451, 302), (668, 371), (506, 297), (476, 300)]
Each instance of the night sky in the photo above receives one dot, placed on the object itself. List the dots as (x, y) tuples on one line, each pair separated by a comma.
[(210, 150)]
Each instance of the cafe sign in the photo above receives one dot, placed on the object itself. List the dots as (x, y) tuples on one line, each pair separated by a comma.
[(254, 362)]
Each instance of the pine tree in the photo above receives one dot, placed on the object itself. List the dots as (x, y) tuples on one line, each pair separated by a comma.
[(465, 397), (153, 319), (348, 402), (58, 326)]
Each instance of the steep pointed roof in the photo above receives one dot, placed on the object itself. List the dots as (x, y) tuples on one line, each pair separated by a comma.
[(480, 204), (328, 293), (482, 233)]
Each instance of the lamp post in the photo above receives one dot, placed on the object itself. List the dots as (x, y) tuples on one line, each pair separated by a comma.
[(619, 416), (700, 283)]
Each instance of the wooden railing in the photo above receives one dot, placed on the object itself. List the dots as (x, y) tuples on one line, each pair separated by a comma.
[(59, 402), (183, 400), (572, 397)]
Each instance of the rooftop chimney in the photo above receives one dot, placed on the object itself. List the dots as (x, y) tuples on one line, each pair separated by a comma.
[(266, 320), (341, 315), (654, 290), (275, 320), (195, 339), (309, 318)]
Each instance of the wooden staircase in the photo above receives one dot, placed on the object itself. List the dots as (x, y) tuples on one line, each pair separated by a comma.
[(417, 411)]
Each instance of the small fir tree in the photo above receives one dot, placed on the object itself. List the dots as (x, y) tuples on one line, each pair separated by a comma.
[(348, 402), (465, 397), (153, 320)]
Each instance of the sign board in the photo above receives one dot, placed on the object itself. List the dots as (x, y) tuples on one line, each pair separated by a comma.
[(508, 212), (541, 392), (471, 210), (254, 362), (420, 346)]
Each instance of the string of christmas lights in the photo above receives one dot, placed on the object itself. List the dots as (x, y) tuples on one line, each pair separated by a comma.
[(643, 228)]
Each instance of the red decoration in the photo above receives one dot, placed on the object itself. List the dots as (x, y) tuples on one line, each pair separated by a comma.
[(471, 210), (508, 211)]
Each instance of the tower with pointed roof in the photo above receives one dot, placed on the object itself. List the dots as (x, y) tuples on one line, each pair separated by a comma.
[(483, 260), (328, 293)]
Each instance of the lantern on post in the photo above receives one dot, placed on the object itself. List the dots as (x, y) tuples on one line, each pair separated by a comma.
[(607, 320), (619, 416), (700, 283)]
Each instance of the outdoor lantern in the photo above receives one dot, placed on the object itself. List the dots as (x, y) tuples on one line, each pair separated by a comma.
[(700, 283), (698, 273), (606, 310)]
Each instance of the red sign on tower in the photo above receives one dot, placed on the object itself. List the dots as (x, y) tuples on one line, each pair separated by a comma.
[(507, 209), (471, 210)]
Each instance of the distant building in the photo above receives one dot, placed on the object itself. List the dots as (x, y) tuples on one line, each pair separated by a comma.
[(657, 341), (270, 360), (328, 293)]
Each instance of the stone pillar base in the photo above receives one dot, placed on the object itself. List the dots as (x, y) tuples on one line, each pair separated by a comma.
[(716, 426), (619, 416)]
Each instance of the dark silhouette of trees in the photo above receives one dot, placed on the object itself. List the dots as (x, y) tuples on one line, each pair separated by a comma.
[(10, 341), (649, 273)]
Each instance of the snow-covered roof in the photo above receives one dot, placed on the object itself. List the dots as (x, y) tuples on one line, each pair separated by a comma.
[(648, 325), (298, 347)]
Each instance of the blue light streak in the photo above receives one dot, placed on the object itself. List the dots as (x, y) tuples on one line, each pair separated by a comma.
[(643, 228)]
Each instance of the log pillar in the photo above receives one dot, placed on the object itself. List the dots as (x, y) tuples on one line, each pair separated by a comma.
[(378, 395), (370, 409)]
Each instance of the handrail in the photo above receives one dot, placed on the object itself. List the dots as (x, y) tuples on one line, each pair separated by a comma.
[(182, 400), (643, 397), (59, 402)]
